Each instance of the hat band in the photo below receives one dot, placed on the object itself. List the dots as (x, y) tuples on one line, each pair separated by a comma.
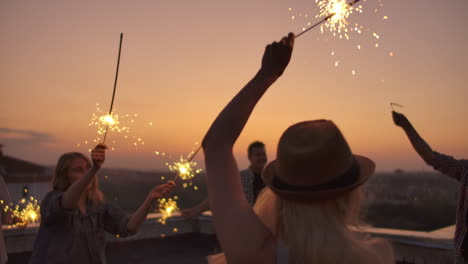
[(350, 177)]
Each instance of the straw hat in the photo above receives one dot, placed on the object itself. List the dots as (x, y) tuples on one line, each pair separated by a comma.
[(315, 162)]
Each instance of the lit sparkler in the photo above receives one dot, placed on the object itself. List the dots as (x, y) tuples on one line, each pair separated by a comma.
[(185, 167), (115, 122), (25, 212), (334, 13), (109, 119), (105, 122), (166, 206), (335, 19)]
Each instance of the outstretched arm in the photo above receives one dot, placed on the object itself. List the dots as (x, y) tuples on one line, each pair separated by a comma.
[(252, 242), (421, 147), (139, 216), (443, 163)]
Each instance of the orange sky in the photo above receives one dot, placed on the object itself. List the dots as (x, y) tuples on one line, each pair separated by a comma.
[(182, 61)]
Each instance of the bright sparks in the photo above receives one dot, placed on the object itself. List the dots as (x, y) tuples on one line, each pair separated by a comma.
[(339, 18), (25, 212), (185, 169), (166, 207), (338, 12), (114, 123), (108, 122)]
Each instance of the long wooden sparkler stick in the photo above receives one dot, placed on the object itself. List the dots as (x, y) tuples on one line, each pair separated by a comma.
[(115, 85)]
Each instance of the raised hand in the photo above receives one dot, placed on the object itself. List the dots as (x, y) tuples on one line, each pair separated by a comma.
[(161, 191), (277, 56), (98, 155), (400, 119)]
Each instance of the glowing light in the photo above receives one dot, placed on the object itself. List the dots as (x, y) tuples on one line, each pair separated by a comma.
[(166, 207), (25, 212), (109, 120), (337, 12), (337, 20), (112, 122), (103, 122), (184, 168)]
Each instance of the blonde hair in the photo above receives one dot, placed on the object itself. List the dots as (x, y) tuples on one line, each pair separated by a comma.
[(61, 180), (316, 232)]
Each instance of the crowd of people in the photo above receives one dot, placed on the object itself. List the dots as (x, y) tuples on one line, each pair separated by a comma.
[(299, 208)]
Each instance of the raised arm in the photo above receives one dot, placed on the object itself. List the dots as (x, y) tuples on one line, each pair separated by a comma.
[(421, 147), (72, 195), (242, 235), (443, 163)]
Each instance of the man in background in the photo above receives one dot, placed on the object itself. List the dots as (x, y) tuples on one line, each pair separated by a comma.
[(251, 179)]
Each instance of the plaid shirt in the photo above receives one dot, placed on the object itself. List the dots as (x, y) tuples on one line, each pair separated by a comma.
[(67, 236), (457, 169), (5, 197), (247, 178)]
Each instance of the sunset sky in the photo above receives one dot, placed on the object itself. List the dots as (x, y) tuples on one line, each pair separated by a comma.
[(182, 61)]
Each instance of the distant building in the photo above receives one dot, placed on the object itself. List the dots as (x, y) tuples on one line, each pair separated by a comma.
[(24, 178)]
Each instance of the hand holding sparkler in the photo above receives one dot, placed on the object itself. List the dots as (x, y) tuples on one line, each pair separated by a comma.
[(400, 120), (12, 218), (98, 155), (277, 56), (161, 191)]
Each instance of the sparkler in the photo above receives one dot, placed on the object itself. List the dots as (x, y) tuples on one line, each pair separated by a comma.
[(335, 13), (184, 168), (26, 211), (109, 119), (107, 122), (166, 207), (115, 122), (395, 104)]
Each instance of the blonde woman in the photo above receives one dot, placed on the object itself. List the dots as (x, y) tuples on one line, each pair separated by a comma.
[(74, 216), (313, 187)]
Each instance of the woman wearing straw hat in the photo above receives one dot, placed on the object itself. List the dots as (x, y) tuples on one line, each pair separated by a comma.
[(312, 194)]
